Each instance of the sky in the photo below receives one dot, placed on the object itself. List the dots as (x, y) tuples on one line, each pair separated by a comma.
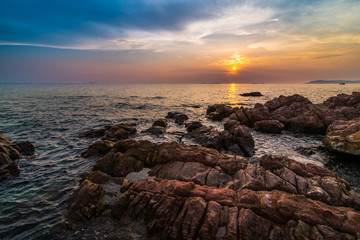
[(179, 41)]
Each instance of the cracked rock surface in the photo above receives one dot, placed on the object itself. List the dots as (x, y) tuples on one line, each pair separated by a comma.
[(199, 193)]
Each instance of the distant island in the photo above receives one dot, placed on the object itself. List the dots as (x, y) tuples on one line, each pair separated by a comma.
[(332, 81)]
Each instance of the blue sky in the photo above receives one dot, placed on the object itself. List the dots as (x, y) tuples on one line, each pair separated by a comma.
[(179, 41)]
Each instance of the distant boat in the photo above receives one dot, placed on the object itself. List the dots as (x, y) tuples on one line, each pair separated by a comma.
[(342, 83)]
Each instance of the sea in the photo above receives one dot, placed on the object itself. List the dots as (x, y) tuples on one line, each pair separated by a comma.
[(52, 117)]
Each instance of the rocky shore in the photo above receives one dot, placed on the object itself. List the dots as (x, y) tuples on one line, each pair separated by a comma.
[(212, 191)]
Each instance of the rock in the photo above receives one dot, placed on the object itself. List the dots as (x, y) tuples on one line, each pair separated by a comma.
[(93, 133), (235, 139), (201, 193), (218, 112), (252, 94), (26, 148), (155, 130), (179, 117), (181, 210), (269, 126), (161, 123), (8, 155), (120, 132), (193, 126), (98, 148), (84, 203), (343, 137)]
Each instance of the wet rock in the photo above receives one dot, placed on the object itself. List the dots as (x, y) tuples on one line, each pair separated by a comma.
[(113, 132), (8, 155), (161, 123), (252, 94), (84, 203), (26, 148), (193, 126), (120, 132), (343, 137), (155, 130), (218, 112), (269, 126), (98, 148), (179, 117), (94, 133)]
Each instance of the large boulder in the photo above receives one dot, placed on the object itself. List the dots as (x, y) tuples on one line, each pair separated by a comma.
[(343, 137), (84, 203)]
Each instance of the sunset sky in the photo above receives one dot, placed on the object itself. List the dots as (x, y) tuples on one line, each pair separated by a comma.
[(275, 41)]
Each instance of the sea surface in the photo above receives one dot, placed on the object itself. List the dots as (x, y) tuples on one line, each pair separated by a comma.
[(52, 116)]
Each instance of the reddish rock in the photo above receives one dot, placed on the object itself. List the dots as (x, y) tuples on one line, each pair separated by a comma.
[(100, 147), (343, 137), (120, 132), (201, 211), (84, 203), (218, 112), (269, 126)]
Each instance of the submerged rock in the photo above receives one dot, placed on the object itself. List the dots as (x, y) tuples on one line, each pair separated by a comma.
[(343, 137)]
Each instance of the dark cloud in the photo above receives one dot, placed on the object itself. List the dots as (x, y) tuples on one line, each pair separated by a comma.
[(65, 22)]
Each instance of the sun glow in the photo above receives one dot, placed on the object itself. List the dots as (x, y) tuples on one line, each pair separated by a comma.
[(234, 68)]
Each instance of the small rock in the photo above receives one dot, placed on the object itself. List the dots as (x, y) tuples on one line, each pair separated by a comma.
[(160, 122), (155, 130), (26, 148), (193, 125), (252, 94)]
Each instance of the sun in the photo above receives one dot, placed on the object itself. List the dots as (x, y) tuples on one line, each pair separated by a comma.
[(234, 68)]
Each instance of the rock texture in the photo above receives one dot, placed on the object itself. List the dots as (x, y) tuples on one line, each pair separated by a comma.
[(269, 126), (9, 153), (113, 132), (199, 193), (344, 137), (236, 138), (297, 113)]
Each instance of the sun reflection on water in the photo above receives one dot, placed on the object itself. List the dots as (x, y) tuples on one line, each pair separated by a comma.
[(233, 94)]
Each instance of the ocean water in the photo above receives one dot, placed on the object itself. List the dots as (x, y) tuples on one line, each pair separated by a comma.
[(52, 116)]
